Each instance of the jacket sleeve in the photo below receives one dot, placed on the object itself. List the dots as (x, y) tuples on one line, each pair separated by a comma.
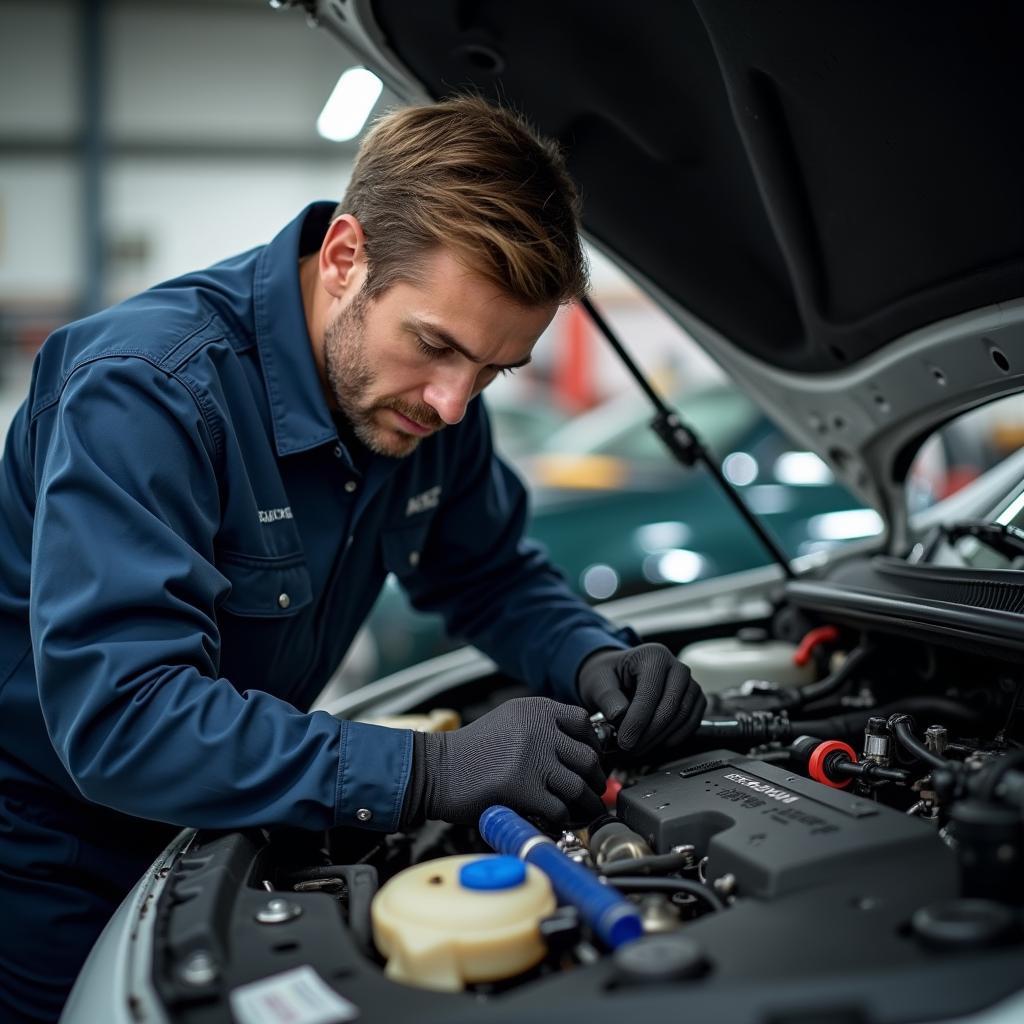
[(124, 596), (497, 589)]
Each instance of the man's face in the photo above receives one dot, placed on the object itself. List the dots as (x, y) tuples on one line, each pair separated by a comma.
[(406, 364)]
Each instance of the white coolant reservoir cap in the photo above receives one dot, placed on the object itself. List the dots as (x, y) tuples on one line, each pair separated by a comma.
[(729, 661), (458, 920)]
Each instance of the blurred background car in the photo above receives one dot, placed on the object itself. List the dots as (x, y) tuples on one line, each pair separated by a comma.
[(604, 481)]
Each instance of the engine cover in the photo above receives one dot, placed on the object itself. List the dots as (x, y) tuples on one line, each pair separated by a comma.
[(775, 832)]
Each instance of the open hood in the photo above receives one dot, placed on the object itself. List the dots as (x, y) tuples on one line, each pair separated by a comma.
[(829, 196)]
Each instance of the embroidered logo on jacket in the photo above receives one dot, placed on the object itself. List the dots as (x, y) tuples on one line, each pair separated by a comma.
[(272, 515), (421, 502)]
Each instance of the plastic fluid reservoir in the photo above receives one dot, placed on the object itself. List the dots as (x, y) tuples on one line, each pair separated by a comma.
[(730, 661), (465, 919)]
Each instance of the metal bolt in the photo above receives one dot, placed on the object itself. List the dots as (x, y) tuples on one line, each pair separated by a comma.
[(199, 969), (935, 738), (277, 911), (689, 851), (726, 885)]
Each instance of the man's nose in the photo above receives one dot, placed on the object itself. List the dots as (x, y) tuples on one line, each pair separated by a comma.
[(450, 392)]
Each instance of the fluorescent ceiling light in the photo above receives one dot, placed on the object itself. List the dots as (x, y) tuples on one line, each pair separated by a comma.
[(802, 469), (677, 566), (349, 105), (600, 581), (845, 525), (740, 468)]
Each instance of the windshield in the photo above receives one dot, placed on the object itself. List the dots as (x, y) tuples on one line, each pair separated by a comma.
[(720, 416), (954, 456)]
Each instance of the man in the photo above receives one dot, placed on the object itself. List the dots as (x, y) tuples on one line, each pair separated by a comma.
[(202, 495)]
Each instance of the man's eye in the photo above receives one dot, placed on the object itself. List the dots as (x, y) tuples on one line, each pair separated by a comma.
[(430, 351)]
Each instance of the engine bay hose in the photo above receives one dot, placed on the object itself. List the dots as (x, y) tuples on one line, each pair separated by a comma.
[(613, 918), (902, 726)]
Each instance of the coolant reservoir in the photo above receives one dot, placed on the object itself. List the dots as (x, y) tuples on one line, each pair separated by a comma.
[(730, 661), (463, 919)]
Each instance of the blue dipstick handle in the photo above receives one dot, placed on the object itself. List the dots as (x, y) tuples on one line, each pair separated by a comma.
[(612, 917)]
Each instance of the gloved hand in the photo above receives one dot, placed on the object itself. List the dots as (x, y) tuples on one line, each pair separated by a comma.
[(646, 692), (532, 754)]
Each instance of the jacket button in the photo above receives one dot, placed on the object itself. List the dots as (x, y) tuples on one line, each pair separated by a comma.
[(414, 558), (283, 600), (338, 451), (363, 814), (350, 486)]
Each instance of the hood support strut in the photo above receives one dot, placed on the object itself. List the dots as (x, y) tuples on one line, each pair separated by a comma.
[(683, 444)]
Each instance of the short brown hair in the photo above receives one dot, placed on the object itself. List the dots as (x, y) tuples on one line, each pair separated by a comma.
[(475, 179)]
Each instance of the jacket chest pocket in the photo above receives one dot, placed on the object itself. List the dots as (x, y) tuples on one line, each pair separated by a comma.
[(266, 643), (266, 588)]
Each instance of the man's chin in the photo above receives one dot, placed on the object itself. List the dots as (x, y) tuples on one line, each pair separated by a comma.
[(392, 443)]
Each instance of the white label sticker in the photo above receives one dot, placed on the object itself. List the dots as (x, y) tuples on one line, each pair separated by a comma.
[(298, 996)]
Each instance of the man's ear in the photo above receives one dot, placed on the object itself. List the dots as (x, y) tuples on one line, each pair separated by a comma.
[(343, 257)]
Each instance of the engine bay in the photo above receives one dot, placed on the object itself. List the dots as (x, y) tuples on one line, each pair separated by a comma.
[(841, 840)]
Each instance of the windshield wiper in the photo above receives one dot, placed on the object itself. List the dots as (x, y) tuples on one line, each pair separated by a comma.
[(683, 444)]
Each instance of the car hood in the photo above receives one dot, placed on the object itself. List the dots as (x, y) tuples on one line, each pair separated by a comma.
[(828, 196)]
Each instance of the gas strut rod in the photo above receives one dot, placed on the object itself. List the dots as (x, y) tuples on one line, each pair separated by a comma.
[(683, 444)]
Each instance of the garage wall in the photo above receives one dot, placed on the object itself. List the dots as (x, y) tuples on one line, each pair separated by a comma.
[(208, 112)]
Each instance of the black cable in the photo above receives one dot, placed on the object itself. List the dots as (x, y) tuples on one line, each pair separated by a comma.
[(853, 722), (652, 862), (754, 728), (640, 884), (834, 682), (791, 698), (872, 772)]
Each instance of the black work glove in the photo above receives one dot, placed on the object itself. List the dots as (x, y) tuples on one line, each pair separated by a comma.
[(532, 754), (646, 692)]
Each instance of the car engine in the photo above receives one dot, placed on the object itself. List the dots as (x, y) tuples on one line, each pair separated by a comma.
[(846, 819)]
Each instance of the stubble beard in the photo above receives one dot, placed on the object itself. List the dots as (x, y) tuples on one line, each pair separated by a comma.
[(351, 378)]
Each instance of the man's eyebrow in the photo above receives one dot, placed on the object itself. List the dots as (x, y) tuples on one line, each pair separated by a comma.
[(438, 334)]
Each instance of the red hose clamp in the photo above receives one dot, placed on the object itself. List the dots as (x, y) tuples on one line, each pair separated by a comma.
[(816, 762), (816, 637), (611, 793)]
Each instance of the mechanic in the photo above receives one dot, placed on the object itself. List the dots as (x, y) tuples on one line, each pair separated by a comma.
[(202, 495)]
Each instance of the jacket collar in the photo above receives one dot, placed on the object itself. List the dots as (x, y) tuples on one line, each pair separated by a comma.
[(302, 419)]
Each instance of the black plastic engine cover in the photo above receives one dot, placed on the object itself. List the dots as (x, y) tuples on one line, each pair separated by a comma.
[(776, 832)]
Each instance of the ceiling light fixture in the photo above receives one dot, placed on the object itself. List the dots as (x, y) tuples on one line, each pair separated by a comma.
[(349, 105)]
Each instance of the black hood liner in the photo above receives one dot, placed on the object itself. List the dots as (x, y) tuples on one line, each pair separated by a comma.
[(812, 178)]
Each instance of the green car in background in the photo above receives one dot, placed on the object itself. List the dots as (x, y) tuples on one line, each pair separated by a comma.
[(603, 481)]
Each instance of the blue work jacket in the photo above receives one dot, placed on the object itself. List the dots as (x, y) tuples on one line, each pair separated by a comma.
[(188, 549)]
